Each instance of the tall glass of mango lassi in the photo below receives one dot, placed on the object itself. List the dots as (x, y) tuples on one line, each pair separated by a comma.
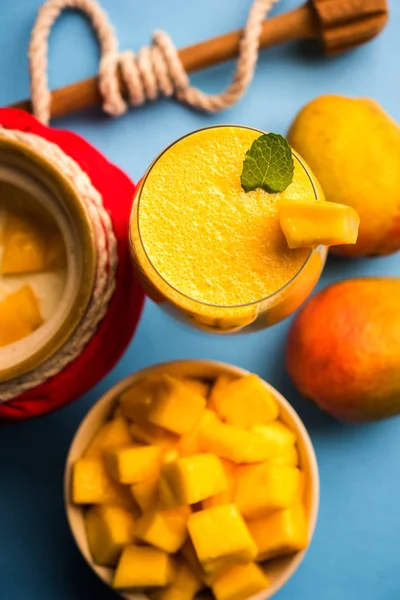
[(208, 252)]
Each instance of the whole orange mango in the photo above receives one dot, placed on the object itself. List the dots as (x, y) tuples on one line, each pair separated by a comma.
[(353, 147), (343, 349)]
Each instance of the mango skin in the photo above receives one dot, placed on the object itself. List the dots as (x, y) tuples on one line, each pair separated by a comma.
[(353, 147), (343, 349)]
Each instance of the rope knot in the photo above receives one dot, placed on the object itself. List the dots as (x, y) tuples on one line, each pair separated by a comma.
[(155, 70)]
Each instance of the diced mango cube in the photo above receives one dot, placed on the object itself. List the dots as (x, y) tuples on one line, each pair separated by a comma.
[(266, 487), (303, 485), (189, 444), (142, 566), (133, 464), (245, 402), (287, 456), (91, 484), (145, 494), (108, 529), (282, 532), (227, 496), (169, 455), (201, 387), (189, 552), (176, 406), (307, 223), (280, 438), (147, 433), (227, 441), (218, 499), (166, 496), (135, 402), (19, 315), (111, 435), (193, 478), (240, 582), (220, 383), (277, 433), (220, 536), (31, 244), (166, 529), (185, 585)]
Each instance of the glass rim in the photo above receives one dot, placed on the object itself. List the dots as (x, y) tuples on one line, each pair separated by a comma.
[(179, 292)]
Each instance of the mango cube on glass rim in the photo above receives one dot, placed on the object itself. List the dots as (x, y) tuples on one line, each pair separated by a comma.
[(166, 529), (108, 528), (175, 406), (185, 585), (220, 536), (307, 223), (240, 582), (233, 443), (245, 402), (281, 532), (91, 484), (133, 464), (266, 487), (111, 435), (143, 566), (194, 478)]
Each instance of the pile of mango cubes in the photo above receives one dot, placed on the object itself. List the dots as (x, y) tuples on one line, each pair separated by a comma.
[(192, 484)]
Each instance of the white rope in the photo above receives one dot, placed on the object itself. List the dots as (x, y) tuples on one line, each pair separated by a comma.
[(107, 261), (155, 70)]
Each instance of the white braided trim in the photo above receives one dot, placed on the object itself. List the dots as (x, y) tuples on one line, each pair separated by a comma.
[(107, 261), (155, 70)]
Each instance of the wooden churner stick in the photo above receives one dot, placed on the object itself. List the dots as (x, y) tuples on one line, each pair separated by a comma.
[(339, 24)]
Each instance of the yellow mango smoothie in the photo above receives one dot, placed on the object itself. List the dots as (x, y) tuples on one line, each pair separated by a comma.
[(209, 251)]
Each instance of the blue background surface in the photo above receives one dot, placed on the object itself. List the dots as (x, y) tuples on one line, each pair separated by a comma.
[(355, 551)]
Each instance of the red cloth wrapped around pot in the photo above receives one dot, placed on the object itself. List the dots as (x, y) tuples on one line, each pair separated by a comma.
[(116, 330)]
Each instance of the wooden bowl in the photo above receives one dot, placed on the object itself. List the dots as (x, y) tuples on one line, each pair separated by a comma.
[(279, 570)]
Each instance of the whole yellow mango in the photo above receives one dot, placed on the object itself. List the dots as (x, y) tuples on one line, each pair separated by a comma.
[(343, 349), (353, 147)]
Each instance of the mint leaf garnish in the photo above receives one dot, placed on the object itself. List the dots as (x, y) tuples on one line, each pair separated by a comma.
[(268, 164)]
